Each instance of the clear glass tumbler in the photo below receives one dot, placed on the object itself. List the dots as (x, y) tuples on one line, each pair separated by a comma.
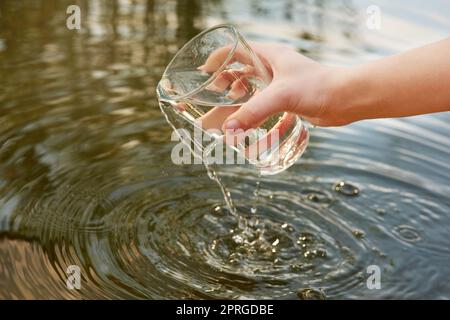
[(209, 78)]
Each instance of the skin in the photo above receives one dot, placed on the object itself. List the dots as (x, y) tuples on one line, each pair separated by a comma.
[(412, 83)]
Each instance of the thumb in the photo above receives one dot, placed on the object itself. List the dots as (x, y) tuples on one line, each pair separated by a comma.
[(261, 106)]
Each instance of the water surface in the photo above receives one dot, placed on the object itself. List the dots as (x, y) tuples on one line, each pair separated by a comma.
[(86, 177)]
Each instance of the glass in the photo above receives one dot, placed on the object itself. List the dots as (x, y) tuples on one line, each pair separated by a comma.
[(209, 78)]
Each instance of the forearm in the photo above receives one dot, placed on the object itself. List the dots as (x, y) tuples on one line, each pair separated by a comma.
[(412, 83)]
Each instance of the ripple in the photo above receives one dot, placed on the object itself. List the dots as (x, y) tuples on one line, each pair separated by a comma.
[(86, 178), (407, 233)]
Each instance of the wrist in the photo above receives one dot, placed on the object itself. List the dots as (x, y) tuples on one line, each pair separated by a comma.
[(353, 95)]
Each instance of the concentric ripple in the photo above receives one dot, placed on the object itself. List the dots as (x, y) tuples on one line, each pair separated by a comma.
[(86, 177), (149, 239)]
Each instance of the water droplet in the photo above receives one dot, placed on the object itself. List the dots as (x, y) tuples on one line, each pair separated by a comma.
[(346, 189), (217, 210), (276, 242), (311, 294), (320, 253), (256, 192), (306, 238), (238, 239), (311, 254), (234, 258), (313, 197), (211, 175), (253, 210), (295, 267), (287, 227), (358, 233)]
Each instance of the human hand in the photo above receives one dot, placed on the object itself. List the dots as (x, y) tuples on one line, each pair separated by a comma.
[(396, 86), (299, 85)]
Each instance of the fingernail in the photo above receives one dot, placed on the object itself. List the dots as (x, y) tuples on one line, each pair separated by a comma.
[(233, 125), (201, 68)]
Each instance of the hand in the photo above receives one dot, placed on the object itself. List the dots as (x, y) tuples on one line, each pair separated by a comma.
[(299, 85), (397, 86)]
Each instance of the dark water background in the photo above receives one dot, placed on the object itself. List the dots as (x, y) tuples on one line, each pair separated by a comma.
[(86, 177)]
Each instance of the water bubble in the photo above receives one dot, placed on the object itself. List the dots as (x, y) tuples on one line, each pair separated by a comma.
[(256, 192), (218, 210), (311, 254), (407, 233), (296, 267), (320, 253), (305, 238), (311, 294), (318, 196), (287, 227), (234, 258), (313, 197), (358, 233), (238, 239), (346, 189)]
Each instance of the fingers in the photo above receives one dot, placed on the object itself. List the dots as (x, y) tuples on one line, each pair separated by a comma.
[(218, 57), (273, 136), (239, 88), (262, 105), (274, 57), (214, 118), (234, 80)]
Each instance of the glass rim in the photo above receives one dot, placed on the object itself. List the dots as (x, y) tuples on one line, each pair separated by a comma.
[(222, 66)]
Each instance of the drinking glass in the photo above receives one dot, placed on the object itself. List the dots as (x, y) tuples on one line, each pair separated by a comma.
[(210, 78)]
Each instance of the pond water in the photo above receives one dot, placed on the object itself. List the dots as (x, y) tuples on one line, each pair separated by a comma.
[(86, 177)]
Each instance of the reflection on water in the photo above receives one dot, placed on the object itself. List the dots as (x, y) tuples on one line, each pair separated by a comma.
[(86, 177)]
